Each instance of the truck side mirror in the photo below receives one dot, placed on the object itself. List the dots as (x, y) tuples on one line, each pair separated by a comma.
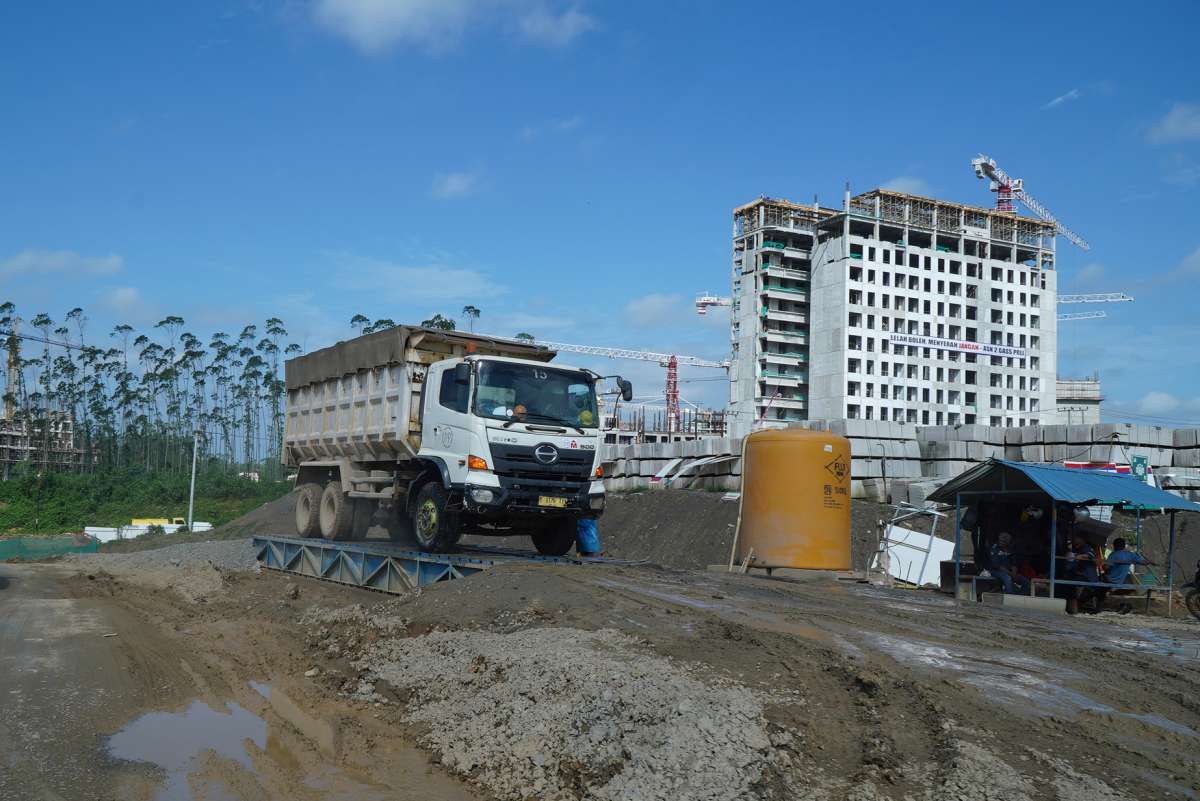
[(626, 390), (462, 373)]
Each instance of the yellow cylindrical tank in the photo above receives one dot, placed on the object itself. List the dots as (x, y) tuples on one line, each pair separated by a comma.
[(795, 506)]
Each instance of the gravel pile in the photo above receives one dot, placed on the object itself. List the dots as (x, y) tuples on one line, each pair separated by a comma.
[(221, 554), (196, 571), (561, 713)]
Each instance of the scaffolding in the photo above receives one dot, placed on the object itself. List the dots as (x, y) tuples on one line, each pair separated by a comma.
[(778, 213), (25, 441), (902, 208)]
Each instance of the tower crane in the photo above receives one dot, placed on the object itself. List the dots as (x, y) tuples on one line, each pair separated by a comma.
[(1102, 297), (1008, 189), (704, 301), (1091, 315), (669, 360)]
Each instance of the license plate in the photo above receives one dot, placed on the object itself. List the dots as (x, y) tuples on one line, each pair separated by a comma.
[(547, 500)]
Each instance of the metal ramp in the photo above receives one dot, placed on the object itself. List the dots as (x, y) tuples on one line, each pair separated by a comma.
[(383, 566)]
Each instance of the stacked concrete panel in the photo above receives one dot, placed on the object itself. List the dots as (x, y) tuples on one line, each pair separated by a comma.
[(1126, 440), (629, 468), (947, 451), (1187, 447), (900, 462)]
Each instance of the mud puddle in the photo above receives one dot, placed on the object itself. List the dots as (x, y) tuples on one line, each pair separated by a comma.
[(1021, 682), (227, 752)]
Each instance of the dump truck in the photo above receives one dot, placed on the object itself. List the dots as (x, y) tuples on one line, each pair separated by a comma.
[(440, 434)]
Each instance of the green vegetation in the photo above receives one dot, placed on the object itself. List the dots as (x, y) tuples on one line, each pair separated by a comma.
[(134, 400), (58, 502)]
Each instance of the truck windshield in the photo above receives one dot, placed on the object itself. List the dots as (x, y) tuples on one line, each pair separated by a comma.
[(535, 394)]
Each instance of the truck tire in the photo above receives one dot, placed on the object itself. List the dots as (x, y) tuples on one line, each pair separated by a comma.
[(434, 527), (556, 537), (399, 525), (308, 510), (337, 513)]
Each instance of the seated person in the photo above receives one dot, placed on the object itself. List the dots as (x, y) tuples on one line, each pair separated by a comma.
[(1120, 571), (1081, 566), (1121, 562), (1000, 555)]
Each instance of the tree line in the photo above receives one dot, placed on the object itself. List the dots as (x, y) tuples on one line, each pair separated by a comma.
[(137, 397)]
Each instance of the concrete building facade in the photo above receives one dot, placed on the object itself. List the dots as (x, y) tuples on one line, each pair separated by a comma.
[(896, 308), (1079, 401)]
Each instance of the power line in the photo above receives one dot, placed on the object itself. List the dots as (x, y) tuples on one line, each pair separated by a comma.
[(1154, 418), (40, 339)]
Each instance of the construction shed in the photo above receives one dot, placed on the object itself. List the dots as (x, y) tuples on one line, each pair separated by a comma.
[(1044, 505)]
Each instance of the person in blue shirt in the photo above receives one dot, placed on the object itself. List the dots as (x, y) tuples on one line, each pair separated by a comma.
[(1119, 569), (1121, 562)]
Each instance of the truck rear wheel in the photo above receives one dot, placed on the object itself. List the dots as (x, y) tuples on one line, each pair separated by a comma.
[(337, 513), (434, 527), (556, 537), (308, 510)]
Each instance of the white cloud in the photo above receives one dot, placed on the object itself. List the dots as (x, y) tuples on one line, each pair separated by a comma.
[(559, 126), (374, 26), (1164, 404), (1066, 97), (1089, 276), (568, 123), (555, 30), (1182, 171), (454, 184), (1180, 124), (653, 310), (410, 283), (909, 185), (507, 324), (32, 261), (123, 299), (1189, 269)]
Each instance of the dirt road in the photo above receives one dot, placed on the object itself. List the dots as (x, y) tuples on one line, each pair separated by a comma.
[(105, 694), (593, 682)]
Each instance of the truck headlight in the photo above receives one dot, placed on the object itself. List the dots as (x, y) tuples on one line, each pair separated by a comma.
[(480, 495), (597, 502)]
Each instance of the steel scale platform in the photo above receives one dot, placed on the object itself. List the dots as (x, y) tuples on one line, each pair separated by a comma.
[(389, 567)]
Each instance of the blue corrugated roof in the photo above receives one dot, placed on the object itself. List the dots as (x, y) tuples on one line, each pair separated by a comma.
[(1063, 484)]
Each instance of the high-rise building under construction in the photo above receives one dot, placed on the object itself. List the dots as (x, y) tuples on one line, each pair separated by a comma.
[(894, 307)]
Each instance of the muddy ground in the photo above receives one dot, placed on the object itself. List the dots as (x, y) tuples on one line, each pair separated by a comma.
[(594, 681), (184, 673)]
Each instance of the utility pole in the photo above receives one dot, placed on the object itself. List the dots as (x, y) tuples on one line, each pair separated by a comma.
[(192, 490)]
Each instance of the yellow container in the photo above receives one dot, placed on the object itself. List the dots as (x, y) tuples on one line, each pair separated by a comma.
[(795, 500)]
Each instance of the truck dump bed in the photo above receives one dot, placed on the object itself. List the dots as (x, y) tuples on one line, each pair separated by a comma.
[(361, 399)]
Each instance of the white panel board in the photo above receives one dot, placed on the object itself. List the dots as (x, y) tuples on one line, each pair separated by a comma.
[(914, 557)]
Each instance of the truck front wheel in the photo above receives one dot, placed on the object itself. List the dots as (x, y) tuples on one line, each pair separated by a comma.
[(308, 510), (434, 527), (556, 537), (337, 513)]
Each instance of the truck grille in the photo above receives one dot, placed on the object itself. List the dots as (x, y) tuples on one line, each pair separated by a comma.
[(519, 461)]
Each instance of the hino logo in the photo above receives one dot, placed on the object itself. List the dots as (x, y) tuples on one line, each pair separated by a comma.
[(546, 454)]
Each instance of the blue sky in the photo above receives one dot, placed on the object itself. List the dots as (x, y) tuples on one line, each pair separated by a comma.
[(570, 167)]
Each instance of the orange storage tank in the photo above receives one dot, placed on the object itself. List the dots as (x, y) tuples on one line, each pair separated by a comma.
[(795, 507)]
